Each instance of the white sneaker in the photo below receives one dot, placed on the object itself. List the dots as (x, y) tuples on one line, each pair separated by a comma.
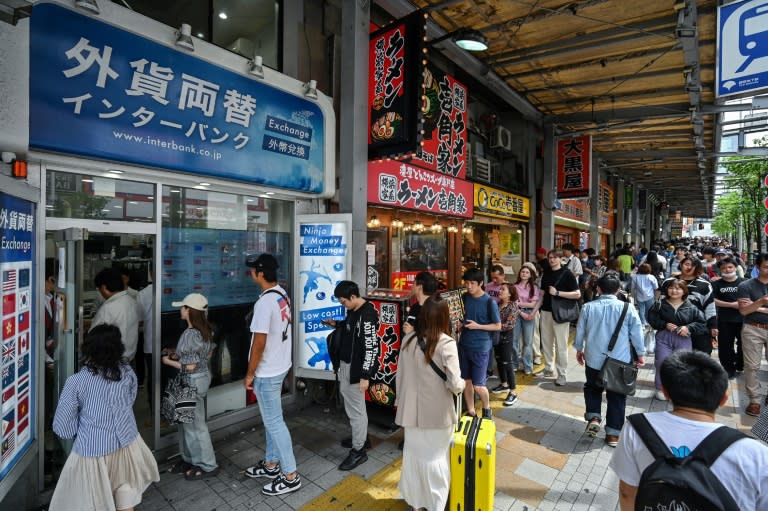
[(660, 396), (281, 485)]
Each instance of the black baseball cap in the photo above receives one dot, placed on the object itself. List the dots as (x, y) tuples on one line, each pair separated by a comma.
[(262, 262)]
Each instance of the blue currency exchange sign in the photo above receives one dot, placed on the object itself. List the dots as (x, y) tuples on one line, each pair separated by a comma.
[(104, 92)]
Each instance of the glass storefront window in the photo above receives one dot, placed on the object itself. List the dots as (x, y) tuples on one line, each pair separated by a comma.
[(413, 252), (205, 237), (93, 197)]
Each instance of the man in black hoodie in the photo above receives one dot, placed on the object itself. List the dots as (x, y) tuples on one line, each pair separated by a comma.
[(359, 361)]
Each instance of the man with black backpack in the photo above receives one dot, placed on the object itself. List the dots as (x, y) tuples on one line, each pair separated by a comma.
[(683, 459)]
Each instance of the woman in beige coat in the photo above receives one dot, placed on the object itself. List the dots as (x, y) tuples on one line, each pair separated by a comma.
[(425, 407)]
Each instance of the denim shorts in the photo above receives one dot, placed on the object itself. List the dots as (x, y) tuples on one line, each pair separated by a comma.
[(473, 365)]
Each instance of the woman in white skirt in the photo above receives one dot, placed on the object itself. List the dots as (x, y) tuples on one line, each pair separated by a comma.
[(425, 407), (110, 466)]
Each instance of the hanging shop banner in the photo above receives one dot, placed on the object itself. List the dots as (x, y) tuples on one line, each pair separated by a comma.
[(498, 203), (396, 184), (742, 52), (642, 198), (322, 250), (17, 252), (606, 206), (394, 75), (629, 196), (107, 93), (574, 165), (444, 107)]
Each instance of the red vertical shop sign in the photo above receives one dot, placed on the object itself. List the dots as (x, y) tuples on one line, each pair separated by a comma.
[(444, 108), (574, 165), (382, 384), (394, 74)]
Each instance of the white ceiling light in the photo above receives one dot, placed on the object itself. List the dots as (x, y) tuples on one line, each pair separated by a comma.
[(223, 15)]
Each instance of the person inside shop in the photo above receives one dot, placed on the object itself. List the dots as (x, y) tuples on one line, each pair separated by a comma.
[(119, 309), (359, 356), (110, 466), (424, 285)]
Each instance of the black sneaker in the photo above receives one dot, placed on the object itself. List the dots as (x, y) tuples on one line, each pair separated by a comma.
[(347, 443), (500, 389), (281, 485), (487, 413), (260, 469), (354, 458), (511, 399)]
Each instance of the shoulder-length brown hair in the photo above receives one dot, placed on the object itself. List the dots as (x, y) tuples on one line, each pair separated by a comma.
[(199, 320), (679, 283), (434, 320)]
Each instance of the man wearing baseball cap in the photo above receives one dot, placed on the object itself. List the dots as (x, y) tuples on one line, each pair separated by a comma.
[(268, 364)]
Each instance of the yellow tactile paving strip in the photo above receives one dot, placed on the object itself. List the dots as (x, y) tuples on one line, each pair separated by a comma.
[(380, 493)]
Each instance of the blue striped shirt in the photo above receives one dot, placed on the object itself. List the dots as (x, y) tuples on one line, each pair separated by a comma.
[(97, 413)]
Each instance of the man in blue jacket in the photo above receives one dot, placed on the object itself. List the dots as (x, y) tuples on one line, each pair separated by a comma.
[(596, 325)]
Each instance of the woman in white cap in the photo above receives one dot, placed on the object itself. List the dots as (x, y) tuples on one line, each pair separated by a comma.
[(198, 461)]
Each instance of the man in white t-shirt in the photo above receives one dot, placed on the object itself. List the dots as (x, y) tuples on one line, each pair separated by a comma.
[(268, 364), (697, 386)]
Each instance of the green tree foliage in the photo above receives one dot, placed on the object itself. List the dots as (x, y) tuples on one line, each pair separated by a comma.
[(743, 202)]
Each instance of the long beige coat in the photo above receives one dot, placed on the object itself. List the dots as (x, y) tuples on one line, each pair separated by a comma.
[(423, 399)]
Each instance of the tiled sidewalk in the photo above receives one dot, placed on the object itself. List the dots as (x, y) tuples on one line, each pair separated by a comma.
[(544, 461)]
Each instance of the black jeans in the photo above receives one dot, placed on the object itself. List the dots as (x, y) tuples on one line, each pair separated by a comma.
[(504, 353), (593, 398), (729, 336)]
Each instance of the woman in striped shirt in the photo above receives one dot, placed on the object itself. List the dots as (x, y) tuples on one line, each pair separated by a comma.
[(198, 460), (110, 466)]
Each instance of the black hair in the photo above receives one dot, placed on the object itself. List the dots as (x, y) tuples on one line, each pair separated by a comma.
[(709, 250), (50, 268), (434, 320), (693, 379), (427, 281), (346, 289), (111, 278), (726, 260), (569, 247), (761, 258), (102, 352), (473, 274), (608, 284), (497, 268)]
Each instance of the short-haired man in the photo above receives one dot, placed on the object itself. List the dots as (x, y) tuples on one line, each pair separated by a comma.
[(481, 317), (118, 309), (697, 386), (424, 286), (359, 362), (728, 321), (594, 330), (493, 288), (268, 363), (557, 281), (753, 305), (571, 260)]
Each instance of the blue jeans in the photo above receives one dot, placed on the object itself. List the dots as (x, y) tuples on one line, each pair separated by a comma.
[(593, 398), (194, 440), (279, 447), (642, 309), (523, 340)]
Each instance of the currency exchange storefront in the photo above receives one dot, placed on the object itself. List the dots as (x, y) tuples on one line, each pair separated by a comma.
[(168, 159)]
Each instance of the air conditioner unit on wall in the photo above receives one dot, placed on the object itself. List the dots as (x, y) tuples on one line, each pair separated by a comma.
[(481, 169), (501, 138)]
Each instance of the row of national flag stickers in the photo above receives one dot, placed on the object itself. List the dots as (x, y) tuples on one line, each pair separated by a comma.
[(16, 360)]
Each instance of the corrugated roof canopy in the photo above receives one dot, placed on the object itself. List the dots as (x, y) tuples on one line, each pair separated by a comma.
[(638, 76)]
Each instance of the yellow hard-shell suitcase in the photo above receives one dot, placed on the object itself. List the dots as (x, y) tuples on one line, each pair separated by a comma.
[(473, 465)]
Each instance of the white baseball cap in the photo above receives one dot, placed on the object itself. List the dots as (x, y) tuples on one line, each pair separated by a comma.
[(193, 301)]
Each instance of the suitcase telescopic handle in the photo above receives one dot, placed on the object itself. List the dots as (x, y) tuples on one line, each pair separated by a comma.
[(459, 398)]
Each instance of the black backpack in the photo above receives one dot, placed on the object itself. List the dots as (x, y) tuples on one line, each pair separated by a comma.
[(683, 483)]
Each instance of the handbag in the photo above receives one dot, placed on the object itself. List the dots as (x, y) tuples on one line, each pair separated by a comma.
[(760, 428), (564, 310), (179, 401), (615, 375)]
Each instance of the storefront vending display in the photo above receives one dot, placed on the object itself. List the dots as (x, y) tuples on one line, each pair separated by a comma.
[(392, 306)]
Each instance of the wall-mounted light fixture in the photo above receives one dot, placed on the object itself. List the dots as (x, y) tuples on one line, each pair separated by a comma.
[(466, 38), (88, 5), (466, 229), (374, 222), (418, 226), (452, 228), (396, 223), (256, 66), (436, 227), (310, 89), (184, 37)]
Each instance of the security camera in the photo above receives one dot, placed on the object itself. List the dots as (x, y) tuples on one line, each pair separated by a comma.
[(8, 156)]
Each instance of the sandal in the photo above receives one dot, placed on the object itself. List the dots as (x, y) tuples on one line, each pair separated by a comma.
[(196, 473), (180, 467)]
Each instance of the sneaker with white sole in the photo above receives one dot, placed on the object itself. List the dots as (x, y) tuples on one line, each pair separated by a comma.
[(660, 396), (261, 469), (281, 485), (511, 399), (560, 381), (593, 427), (500, 389)]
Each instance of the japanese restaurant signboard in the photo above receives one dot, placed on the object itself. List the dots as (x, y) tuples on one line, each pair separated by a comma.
[(498, 203), (574, 165), (444, 107), (394, 74), (105, 92), (396, 184)]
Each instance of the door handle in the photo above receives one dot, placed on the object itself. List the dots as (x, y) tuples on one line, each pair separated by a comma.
[(80, 325)]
